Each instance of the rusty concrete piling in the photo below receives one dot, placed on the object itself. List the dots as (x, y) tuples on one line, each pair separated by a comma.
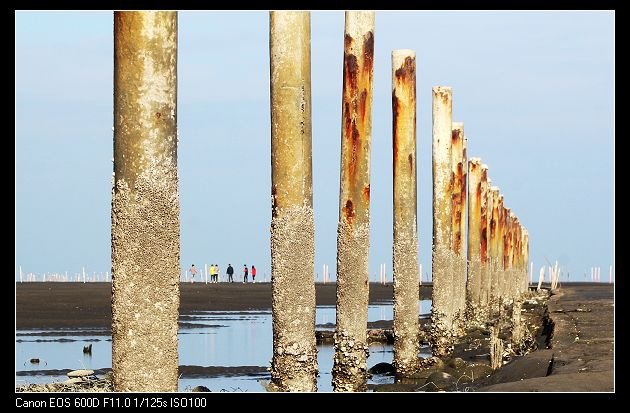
[(294, 362), (516, 278), (526, 264), (509, 280), (518, 281), (473, 284), (495, 274), (405, 246), (500, 268), (505, 236), (464, 219), (353, 230), (485, 211), (145, 203), (441, 335), (514, 282), (458, 227)]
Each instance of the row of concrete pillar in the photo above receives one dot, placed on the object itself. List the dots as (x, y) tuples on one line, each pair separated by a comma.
[(145, 210), (469, 287)]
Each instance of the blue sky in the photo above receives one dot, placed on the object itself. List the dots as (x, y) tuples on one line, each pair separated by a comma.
[(535, 91)]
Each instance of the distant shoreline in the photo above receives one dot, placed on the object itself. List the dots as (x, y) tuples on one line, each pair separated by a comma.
[(72, 305)]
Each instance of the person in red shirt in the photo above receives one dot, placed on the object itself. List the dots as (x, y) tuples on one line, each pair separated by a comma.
[(253, 273)]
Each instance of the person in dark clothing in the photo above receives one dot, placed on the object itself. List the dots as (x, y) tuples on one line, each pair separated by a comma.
[(230, 272), (245, 273)]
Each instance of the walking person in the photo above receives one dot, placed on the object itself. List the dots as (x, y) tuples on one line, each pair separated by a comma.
[(245, 273), (230, 273), (211, 273), (217, 272), (193, 272), (253, 273)]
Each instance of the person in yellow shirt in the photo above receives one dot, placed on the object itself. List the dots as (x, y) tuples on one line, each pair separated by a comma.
[(212, 272)]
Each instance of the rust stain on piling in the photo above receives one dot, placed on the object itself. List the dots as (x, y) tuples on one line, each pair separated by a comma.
[(349, 211), (395, 112), (357, 85), (368, 53), (407, 72), (363, 103), (351, 69)]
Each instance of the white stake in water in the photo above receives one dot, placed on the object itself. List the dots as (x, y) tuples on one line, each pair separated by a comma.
[(20, 274), (384, 273)]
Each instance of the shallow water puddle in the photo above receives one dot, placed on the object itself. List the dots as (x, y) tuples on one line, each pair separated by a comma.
[(222, 338)]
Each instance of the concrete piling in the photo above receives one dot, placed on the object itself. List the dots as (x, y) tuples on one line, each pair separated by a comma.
[(145, 203), (294, 362), (486, 222), (458, 226), (474, 278), (353, 230), (495, 274), (405, 248), (442, 255)]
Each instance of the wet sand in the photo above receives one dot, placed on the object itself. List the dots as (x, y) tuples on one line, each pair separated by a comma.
[(54, 305), (581, 353)]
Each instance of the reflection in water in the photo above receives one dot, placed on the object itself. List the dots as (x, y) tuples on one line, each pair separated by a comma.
[(241, 338)]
